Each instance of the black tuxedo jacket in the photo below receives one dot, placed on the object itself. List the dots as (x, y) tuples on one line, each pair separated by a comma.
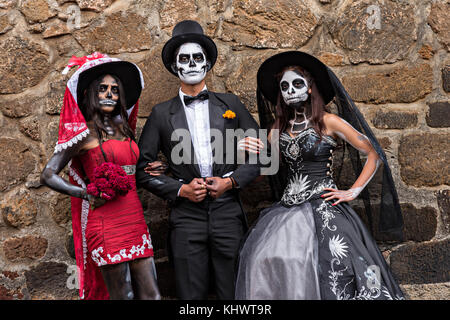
[(156, 136)]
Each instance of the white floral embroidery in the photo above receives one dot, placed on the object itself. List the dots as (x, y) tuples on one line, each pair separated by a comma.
[(389, 297), (338, 247), (118, 257), (135, 251), (338, 250), (326, 216), (139, 250), (298, 189), (334, 277), (97, 258), (365, 294), (374, 293), (298, 184)]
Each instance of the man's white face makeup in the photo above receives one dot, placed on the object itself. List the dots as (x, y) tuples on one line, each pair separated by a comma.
[(191, 63), (294, 88)]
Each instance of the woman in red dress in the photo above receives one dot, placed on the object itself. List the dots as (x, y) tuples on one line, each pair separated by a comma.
[(113, 247)]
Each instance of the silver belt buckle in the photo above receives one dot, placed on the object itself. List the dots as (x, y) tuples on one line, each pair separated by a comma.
[(129, 169)]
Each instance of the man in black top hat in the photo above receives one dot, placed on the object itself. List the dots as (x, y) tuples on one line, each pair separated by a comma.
[(206, 220)]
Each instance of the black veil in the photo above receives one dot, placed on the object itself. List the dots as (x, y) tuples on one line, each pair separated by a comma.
[(378, 203)]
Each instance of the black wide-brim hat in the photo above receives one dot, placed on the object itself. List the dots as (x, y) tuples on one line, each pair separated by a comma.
[(184, 32), (126, 71), (269, 86)]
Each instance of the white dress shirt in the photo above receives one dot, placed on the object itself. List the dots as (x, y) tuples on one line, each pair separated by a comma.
[(197, 115)]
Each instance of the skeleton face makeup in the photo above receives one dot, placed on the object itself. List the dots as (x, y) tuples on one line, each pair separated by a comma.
[(108, 94), (294, 88), (191, 64)]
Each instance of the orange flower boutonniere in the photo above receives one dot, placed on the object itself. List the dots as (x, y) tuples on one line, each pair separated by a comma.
[(229, 114)]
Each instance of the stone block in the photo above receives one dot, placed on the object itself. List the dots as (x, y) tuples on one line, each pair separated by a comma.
[(32, 247), (394, 119), (430, 291), (399, 85), (419, 263), (23, 64), (120, 32), (443, 200), (30, 127), (438, 115), (374, 31), (439, 21), (269, 24), (16, 162), (424, 159), (36, 10), (55, 28), (10, 294), (419, 224), (19, 209), (48, 280), (163, 84), (446, 78), (96, 5)]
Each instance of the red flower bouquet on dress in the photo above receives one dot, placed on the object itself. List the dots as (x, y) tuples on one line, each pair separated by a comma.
[(109, 181)]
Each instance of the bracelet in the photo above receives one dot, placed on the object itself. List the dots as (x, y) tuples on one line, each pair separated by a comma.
[(232, 183), (84, 195)]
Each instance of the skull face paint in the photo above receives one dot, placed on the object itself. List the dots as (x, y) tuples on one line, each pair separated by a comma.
[(294, 88), (191, 64), (108, 94)]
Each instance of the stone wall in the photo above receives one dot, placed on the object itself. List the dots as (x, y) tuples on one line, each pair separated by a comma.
[(392, 56)]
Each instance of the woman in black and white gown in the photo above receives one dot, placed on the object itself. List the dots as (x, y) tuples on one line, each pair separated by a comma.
[(312, 244)]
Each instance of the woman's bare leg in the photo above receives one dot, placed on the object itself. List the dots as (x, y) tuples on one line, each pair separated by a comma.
[(117, 278), (143, 279)]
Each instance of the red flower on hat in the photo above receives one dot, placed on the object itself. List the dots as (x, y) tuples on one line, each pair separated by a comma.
[(79, 61)]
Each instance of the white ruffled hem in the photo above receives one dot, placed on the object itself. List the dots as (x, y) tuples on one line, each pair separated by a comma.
[(137, 250)]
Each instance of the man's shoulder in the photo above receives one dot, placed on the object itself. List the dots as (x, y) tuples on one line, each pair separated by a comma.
[(229, 99), (227, 96)]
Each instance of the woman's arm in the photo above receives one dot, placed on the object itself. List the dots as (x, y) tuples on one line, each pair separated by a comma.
[(341, 128), (51, 179)]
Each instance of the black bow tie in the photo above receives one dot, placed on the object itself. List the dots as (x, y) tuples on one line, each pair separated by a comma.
[(202, 96)]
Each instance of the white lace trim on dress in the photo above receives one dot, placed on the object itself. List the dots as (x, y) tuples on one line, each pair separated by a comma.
[(71, 142), (135, 251)]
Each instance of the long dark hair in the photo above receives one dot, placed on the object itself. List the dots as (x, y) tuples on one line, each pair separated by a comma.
[(315, 107), (90, 108)]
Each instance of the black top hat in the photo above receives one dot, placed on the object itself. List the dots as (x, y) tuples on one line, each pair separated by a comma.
[(187, 31), (267, 72), (126, 71)]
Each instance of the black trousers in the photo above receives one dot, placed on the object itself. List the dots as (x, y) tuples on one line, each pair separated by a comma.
[(204, 241)]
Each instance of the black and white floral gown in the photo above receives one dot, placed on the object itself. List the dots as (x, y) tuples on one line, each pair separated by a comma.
[(303, 247)]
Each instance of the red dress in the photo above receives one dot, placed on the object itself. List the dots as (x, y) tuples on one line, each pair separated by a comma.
[(116, 231)]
